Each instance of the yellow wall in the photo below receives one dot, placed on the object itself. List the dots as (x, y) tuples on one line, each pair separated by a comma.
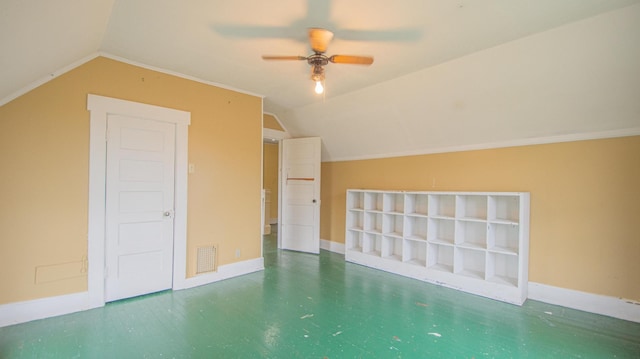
[(270, 173), (44, 157), (270, 180), (271, 123), (584, 203)]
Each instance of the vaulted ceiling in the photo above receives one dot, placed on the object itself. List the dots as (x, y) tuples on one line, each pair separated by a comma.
[(447, 74)]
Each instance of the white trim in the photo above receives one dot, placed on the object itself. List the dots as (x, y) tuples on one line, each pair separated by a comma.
[(263, 230), (224, 272), (43, 80), (22, 312), (332, 246), (180, 203), (100, 107), (96, 227), (509, 143), (594, 303), (114, 106), (273, 136)]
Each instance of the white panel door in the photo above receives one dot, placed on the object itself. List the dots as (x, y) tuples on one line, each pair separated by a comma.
[(300, 228), (139, 206)]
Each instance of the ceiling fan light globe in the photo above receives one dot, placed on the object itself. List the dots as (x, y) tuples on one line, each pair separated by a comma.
[(319, 88)]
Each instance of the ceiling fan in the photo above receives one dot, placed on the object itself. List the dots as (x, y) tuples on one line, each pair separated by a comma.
[(319, 40)]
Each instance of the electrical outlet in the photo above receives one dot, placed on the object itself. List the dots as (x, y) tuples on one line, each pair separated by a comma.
[(238, 253)]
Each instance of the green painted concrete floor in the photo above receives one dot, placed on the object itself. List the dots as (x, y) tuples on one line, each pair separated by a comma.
[(307, 306)]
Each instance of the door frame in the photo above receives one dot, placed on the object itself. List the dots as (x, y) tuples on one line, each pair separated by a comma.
[(100, 107), (274, 137)]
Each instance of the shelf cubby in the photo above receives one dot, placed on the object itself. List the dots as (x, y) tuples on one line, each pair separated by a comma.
[(471, 207), (415, 252), (355, 200), (372, 244), (416, 227), (393, 203), (441, 230), (504, 208), (470, 263), (504, 238), (355, 240), (416, 204), (442, 205), (373, 201), (373, 222), (391, 248), (355, 220), (392, 225), (502, 269), (471, 234), (440, 257)]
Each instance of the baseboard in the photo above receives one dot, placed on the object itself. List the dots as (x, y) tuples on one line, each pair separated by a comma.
[(332, 246), (22, 312), (224, 272), (26, 311), (594, 303)]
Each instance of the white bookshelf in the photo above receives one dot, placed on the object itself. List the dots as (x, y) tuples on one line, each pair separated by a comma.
[(477, 242)]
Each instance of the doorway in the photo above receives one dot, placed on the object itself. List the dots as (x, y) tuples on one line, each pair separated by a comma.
[(101, 109), (299, 227), (270, 184)]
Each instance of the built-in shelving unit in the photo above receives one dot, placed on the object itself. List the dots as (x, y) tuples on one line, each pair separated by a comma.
[(476, 242)]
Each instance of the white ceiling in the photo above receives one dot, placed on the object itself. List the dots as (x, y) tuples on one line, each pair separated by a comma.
[(222, 41)]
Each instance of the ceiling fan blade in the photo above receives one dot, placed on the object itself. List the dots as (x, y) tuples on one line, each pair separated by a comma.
[(349, 59), (269, 57), (319, 39)]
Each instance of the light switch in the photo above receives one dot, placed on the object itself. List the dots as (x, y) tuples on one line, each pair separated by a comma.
[(192, 168)]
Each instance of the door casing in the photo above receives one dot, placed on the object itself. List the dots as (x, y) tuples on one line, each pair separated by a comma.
[(100, 107)]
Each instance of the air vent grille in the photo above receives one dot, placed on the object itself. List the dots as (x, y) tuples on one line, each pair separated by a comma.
[(206, 259)]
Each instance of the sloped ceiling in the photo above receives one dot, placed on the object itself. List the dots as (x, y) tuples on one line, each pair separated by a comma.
[(447, 74)]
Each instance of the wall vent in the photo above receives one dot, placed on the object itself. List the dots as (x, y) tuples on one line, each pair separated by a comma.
[(206, 259)]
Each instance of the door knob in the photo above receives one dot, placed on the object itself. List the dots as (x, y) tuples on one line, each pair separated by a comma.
[(314, 200), (167, 214)]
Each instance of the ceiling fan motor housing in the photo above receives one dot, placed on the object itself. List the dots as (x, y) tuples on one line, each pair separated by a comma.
[(317, 59)]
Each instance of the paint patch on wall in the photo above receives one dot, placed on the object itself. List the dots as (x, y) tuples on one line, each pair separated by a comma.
[(62, 271)]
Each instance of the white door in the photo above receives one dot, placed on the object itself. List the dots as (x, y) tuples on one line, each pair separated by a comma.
[(300, 188), (139, 206)]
